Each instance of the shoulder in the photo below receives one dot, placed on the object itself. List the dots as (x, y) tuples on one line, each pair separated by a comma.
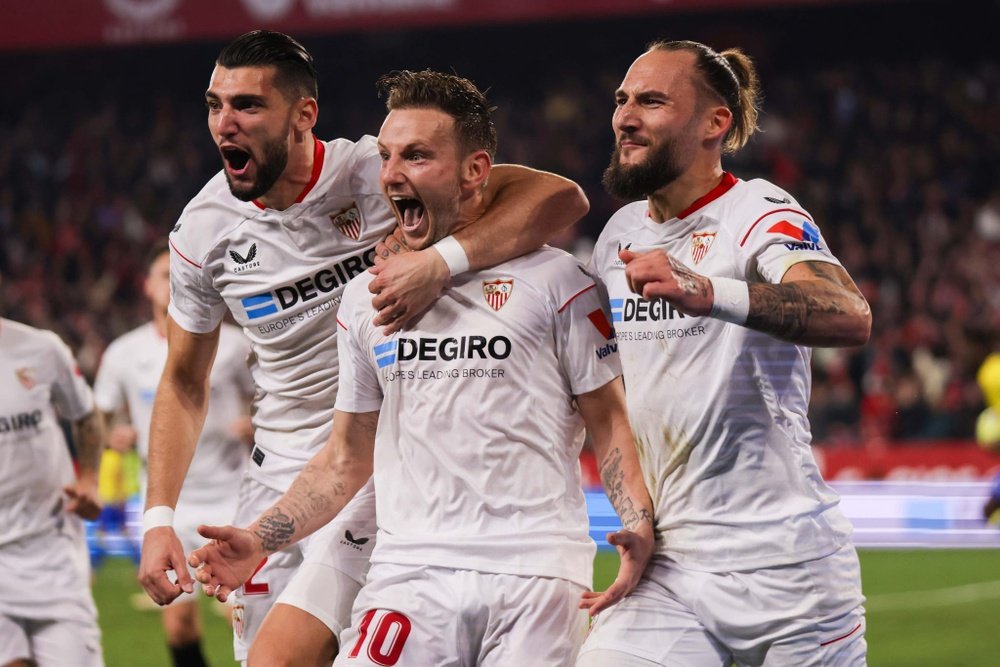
[(753, 200), (20, 335), (351, 167), (554, 274), (207, 218)]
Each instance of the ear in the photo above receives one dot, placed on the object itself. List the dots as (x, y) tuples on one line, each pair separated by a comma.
[(475, 170), (304, 114), (719, 120)]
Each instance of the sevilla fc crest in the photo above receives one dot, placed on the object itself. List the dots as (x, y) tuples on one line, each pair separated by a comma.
[(348, 222), (498, 291), (26, 376), (700, 243), (238, 620)]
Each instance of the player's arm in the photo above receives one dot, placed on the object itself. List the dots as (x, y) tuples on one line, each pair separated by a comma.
[(525, 209), (178, 416), (604, 412), (816, 302), (88, 436), (322, 489)]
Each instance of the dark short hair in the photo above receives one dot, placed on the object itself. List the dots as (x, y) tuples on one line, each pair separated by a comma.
[(452, 94), (296, 74), (158, 248), (730, 76)]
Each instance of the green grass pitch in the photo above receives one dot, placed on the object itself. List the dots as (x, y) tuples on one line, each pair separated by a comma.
[(926, 608)]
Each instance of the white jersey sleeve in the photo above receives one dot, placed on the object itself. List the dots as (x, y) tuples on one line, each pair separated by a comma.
[(778, 236), (70, 394), (194, 303), (585, 340), (359, 386)]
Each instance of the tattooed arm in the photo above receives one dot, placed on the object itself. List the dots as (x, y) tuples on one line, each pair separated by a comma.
[(322, 489), (603, 411), (816, 303)]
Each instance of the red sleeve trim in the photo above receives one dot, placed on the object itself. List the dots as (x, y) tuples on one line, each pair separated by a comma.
[(344, 326), (182, 256), (832, 641), (777, 210), (585, 289)]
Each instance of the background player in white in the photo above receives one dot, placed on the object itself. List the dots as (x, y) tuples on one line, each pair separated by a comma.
[(126, 383), (274, 238), (47, 613), (483, 554), (754, 563)]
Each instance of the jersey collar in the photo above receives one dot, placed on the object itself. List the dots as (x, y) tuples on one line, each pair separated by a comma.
[(724, 186), (319, 150)]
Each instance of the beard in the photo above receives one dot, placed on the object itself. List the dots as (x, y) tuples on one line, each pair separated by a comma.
[(269, 170), (638, 181)]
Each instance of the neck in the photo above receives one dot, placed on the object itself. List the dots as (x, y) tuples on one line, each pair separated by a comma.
[(471, 210), (295, 177), (668, 201)]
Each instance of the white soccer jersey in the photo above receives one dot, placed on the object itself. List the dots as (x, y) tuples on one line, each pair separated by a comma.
[(281, 274), (476, 456), (127, 379), (718, 410), (38, 377)]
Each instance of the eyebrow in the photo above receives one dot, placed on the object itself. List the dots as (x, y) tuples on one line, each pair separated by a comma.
[(236, 99)]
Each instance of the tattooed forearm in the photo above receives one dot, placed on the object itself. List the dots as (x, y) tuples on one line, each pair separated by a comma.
[(275, 530), (613, 476), (821, 306), (688, 281), (89, 433)]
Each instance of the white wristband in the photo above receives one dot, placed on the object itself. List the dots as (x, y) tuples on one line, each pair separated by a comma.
[(155, 517), (732, 300), (453, 254)]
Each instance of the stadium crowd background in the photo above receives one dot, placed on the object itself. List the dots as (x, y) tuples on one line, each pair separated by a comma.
[(888, 139)]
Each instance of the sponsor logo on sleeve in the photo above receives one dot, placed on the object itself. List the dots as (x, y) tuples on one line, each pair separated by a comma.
[(600, 322), (245, 263), (806, 234), (498, 291), (348, 222), (700, 244), (776, 200)]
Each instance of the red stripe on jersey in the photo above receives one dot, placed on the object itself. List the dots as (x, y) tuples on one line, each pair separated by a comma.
[(724, 186), (181, 255), (833, 641), (319, 150), (342, 324), (786, 228), (585, 289), (600, 322), (777, 210)]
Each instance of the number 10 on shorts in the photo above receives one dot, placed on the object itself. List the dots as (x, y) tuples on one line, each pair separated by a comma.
[(382, 634)]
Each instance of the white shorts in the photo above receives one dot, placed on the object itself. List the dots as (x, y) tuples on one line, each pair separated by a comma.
[(420, 616), (804, 614), (345, 544), (47, 609)]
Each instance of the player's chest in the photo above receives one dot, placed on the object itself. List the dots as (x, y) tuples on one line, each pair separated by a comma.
[(25, 394)]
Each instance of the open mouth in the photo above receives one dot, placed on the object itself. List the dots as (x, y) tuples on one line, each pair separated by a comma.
[(236, 159), (411, 212)]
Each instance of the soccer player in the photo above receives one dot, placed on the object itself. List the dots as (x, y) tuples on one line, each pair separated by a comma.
[(273, 239), (126, 382), (717, 287), (47, 613), (483, 553)]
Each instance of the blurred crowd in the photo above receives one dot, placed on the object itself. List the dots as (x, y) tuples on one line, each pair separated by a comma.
[(896, 159)]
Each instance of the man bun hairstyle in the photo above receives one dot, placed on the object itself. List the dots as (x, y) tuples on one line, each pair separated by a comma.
[(296, 74), (456, 96), (729, 76)]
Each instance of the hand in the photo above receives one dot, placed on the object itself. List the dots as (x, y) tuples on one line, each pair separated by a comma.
[(635, 550), (84, 500), (657, 275), (225, 563), (391, 245), (161, 552), (405, 286), (122, 438)]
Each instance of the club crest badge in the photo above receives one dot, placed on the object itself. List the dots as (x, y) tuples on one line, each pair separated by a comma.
[(700, 244), (26, 376), (498, 291), (238, 620), (348, 222)]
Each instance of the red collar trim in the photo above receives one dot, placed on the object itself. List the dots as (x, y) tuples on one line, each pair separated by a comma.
[(319, 150), (724, 186)]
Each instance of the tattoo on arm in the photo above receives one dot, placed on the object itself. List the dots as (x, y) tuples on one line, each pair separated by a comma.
[(689, 281), (275, 530), (614, 485)]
